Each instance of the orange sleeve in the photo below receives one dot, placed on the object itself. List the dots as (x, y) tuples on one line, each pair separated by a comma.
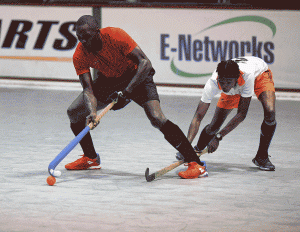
[(79, 61)]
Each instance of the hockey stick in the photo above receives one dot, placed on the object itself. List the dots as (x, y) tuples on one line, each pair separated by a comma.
[(163, 171), (75, 141)]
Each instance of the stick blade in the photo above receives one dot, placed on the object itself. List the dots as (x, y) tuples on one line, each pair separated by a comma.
[(149, 178)]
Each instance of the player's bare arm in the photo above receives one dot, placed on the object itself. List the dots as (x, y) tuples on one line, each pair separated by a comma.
[(232, 124), (89, 98), (239, 117), (196, 121), (144, 67)]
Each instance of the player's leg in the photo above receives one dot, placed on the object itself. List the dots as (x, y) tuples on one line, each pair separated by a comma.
[(103, 87), (77, 113), (267, 131), (264, 89), (174, 135), (146, 96), (154, 113)]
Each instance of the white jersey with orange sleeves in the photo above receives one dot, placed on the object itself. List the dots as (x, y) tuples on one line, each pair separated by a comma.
[(250, 68)]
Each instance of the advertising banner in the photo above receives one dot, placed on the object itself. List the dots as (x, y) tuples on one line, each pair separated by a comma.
[(184, 45), (38, 42)]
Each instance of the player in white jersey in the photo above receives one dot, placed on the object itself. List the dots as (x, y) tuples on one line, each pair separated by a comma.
[(237, 80)]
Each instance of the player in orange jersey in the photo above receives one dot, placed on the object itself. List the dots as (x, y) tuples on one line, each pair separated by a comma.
[(122, 66), (237, 80)]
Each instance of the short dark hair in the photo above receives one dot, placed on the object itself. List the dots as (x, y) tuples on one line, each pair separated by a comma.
[(89, 20), (228, 68)]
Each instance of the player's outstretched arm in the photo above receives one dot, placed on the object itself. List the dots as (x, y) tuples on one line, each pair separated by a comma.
[(232, 124), (239, 117), (195, 124)]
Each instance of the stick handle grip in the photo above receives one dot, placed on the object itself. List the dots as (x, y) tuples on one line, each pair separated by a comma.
[(103, 112)]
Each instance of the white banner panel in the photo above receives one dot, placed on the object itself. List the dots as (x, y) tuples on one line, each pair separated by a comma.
[(185, 45), (39, 41)]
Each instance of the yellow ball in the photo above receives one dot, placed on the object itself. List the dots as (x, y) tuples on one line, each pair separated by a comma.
[(51, 180)]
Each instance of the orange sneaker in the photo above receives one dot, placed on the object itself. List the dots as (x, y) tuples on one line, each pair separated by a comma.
[(84, 163), (194, 171)]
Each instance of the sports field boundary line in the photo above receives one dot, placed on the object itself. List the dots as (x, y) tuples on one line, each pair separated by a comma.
[(162, 89)]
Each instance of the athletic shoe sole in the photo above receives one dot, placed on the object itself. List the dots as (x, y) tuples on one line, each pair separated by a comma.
[(261, 167), (205, 174), (94, 168)]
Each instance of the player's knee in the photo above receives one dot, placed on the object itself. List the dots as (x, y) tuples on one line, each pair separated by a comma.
[(72, 115), (270, 117), (157, 120)]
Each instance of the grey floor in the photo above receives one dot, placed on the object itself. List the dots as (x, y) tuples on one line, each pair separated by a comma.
[(236, 196)]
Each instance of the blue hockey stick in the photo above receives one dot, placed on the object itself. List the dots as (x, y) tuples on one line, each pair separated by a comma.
[(75, 141)]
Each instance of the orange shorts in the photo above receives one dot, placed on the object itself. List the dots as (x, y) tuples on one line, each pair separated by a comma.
[(262, 83)]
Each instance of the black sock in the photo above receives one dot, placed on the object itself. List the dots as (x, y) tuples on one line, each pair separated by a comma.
[(86, 143), (174, 135), (204, 139), (266, 135)]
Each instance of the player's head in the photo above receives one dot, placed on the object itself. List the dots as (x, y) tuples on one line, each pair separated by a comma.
[(228, 74), (87, 31)]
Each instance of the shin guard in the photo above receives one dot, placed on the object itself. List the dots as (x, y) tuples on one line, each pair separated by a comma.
[(266, 135), (86, 143), (174, 135)]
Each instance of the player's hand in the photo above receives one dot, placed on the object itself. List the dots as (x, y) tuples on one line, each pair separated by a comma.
[(92, 119), (213, 145), (123, 99)]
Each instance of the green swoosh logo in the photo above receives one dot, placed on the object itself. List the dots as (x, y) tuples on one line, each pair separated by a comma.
[(249, 18), (257, 19), (185, 74)]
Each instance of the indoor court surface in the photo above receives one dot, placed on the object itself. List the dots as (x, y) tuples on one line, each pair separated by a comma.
[(236, 196)]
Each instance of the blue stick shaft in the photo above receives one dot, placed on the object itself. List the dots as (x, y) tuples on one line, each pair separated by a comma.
[(68, 148), (78, 138)]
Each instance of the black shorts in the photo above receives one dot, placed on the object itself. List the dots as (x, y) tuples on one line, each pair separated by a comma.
[(146, 91)]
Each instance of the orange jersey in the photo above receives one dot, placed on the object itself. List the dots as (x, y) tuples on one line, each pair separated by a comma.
[(112, 59)]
